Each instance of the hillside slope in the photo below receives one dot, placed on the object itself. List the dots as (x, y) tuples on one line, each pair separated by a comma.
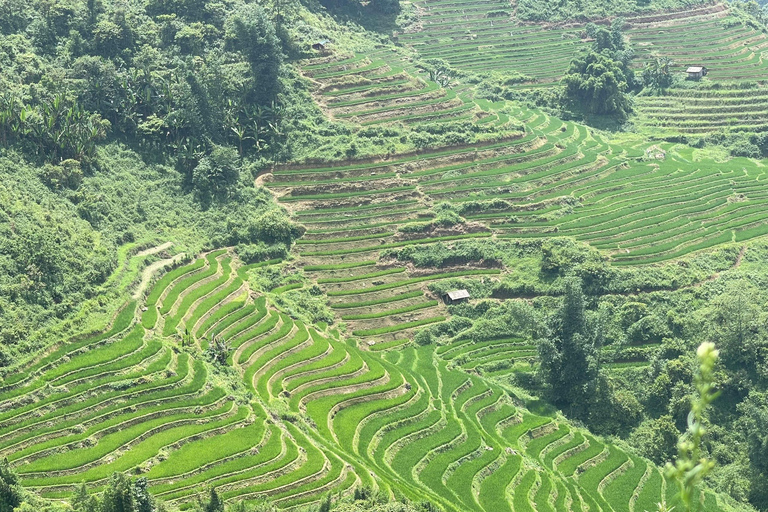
[(301, 413)]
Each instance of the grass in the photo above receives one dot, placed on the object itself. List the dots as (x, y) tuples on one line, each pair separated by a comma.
[(220, 314), (429, 438), (354, 250), (193, 294), (375, 302), (389, 312), (338, 266), (349, 279), (122, 321), (186, 282), (398, 327)]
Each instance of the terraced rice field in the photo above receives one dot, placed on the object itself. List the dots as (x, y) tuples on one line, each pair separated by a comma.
[(732, 107), (703, 36), (381, 87), (483, 36), (558, 179), (305, 411), (730, 98), (412, 419)]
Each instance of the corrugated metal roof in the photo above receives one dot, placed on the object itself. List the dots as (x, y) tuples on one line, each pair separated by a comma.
[(458, 294), (694, 69)]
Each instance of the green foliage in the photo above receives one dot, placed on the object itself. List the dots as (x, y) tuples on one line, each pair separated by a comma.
[(157, 75), (216, 175), (656, 439), (441, 255), (214, 503), (270, 226), (541, 10), (596, 83), (11, 494), (569, 357), (445, 216), (218, 350), (612, 410), (249, 31), (440, 71), (692, 465), (260, 251), (306, 305), (737, 328), (51, 259), (656, 74), (118, 495), (389, 7)]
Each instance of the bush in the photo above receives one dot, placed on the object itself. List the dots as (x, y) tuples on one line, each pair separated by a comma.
[(270, 227), (612, 410), (647, 329), (656, 439), (10, 490), (424, 337), (254, 253)]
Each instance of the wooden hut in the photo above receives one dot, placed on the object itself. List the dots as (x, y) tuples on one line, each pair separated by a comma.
[(696, 72), (455, 296), (321, 46)]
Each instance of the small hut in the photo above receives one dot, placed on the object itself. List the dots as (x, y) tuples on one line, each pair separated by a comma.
[(455, 296), (321, 46), (696, 72)]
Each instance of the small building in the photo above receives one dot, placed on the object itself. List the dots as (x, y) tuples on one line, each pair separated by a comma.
[(696, 72), (455, 296), (321, 46)]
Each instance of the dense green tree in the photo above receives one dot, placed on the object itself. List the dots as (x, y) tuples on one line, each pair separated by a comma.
[(325, 504), (216, 175), (569, 362), (597, 84), (214, 502), (386, 6), (142, 499), (611, 409), (656, 439), (737, 328), (218, 351), (754, 425), (118, 496), (249, 31), (82, 501), (11, 494)]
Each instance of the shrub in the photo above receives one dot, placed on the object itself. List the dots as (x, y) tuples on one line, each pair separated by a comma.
[(254, 253), (270, 227), (647, 329), (656, 439), (10, 490), (613, 410), (424, 337), (217, 174)]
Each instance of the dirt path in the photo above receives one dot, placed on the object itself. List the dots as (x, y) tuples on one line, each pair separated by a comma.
[(716, 275), (155, 250), (146, 275)]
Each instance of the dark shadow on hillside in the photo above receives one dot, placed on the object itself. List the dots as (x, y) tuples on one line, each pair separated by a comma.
[(374, 15), (541, 407), (606, 122)]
